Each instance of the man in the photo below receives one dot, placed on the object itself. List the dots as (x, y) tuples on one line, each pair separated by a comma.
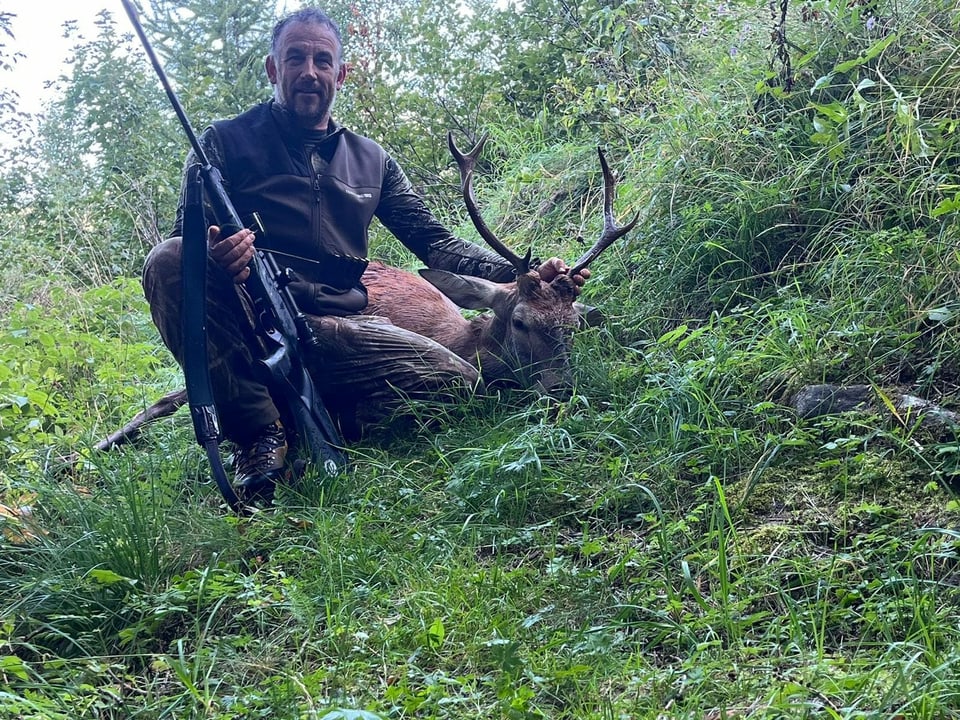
[(316, 186)]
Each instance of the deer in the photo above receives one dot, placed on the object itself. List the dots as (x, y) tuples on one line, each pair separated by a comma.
[(523, 341), (526, 338)]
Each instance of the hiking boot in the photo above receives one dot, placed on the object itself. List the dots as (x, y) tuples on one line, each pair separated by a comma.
[(260, 464)]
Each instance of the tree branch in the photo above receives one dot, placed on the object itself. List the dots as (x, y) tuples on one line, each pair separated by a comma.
[(165, 406)]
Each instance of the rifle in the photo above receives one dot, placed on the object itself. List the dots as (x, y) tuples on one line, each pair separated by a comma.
[(281, 325)]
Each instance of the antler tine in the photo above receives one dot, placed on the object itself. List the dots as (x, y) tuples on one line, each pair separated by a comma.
[(610, 230), (466, 163)]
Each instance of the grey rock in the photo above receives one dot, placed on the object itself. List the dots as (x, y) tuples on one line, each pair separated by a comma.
[(816, 400)]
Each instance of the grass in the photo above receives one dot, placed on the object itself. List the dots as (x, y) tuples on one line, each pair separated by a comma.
[(514, 576), (672, 541)]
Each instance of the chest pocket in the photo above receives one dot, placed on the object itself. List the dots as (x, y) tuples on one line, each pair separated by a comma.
[(347, 201)]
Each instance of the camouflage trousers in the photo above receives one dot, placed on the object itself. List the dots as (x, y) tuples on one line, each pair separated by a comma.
[(364, 367)]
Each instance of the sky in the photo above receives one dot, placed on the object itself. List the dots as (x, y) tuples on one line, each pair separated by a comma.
[(38, 34)]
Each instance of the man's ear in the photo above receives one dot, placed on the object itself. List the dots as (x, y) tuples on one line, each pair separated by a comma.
[(271, 67), (342, 74)]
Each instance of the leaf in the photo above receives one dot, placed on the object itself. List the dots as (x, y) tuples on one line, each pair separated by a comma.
[(12, 665), (940, 314), (871, 52), (103, 576), (506, 653), (821, 82), (946, 206), (436, 634), (692, 336), (531, 620), (670, 337), (527, 459), (835, 111)]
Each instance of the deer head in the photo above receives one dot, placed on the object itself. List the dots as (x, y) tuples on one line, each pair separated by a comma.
[(529, 336)]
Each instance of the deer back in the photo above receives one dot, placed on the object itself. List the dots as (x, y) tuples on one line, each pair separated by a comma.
[(412, 303)]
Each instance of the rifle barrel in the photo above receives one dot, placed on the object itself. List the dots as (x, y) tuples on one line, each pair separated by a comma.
[(174, 100)]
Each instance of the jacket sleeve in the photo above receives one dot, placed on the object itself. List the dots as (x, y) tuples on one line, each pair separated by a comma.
[(404, 213)]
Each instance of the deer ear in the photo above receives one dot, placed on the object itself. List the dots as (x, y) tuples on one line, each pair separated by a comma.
[(589, 316), (471, 293)]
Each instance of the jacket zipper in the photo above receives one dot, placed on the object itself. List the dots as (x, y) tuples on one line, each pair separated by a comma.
[(315, 221)]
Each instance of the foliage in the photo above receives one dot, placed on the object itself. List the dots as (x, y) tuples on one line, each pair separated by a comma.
[(15, 122), (596, 64), (58, 370), (101, 183), (419, 68), (215, 51), (860, 144)]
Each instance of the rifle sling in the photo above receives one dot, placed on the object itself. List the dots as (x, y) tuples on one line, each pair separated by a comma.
[(196, 367)]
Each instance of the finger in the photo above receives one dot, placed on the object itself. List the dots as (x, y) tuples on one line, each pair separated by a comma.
[(241, 237), (237, 266), (233, 249), (551, 269), (233, 255)]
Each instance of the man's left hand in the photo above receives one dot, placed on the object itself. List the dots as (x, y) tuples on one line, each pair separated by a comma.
[(556, 266)]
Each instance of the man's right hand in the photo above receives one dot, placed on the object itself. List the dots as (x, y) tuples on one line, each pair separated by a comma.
[(234, 253)]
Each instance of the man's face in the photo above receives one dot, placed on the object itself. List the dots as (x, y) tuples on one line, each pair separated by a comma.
[(306, 72)]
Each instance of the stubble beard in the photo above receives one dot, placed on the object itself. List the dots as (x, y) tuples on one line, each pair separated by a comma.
[(311, 113)]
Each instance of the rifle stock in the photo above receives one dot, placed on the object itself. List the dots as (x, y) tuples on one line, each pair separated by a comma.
[(282, 329)]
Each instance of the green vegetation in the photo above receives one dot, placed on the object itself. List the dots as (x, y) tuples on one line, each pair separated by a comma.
[(673, 542)]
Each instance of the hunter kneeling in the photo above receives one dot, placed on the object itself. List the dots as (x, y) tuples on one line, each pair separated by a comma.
[(316, 187)]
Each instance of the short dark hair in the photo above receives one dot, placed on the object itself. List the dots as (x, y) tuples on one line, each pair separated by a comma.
[(306, 15)]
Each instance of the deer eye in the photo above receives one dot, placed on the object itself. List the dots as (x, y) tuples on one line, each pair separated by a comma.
[(519, 325)]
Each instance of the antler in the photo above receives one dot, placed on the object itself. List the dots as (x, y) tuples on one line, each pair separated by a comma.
[(610, 230), (466, 164)]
